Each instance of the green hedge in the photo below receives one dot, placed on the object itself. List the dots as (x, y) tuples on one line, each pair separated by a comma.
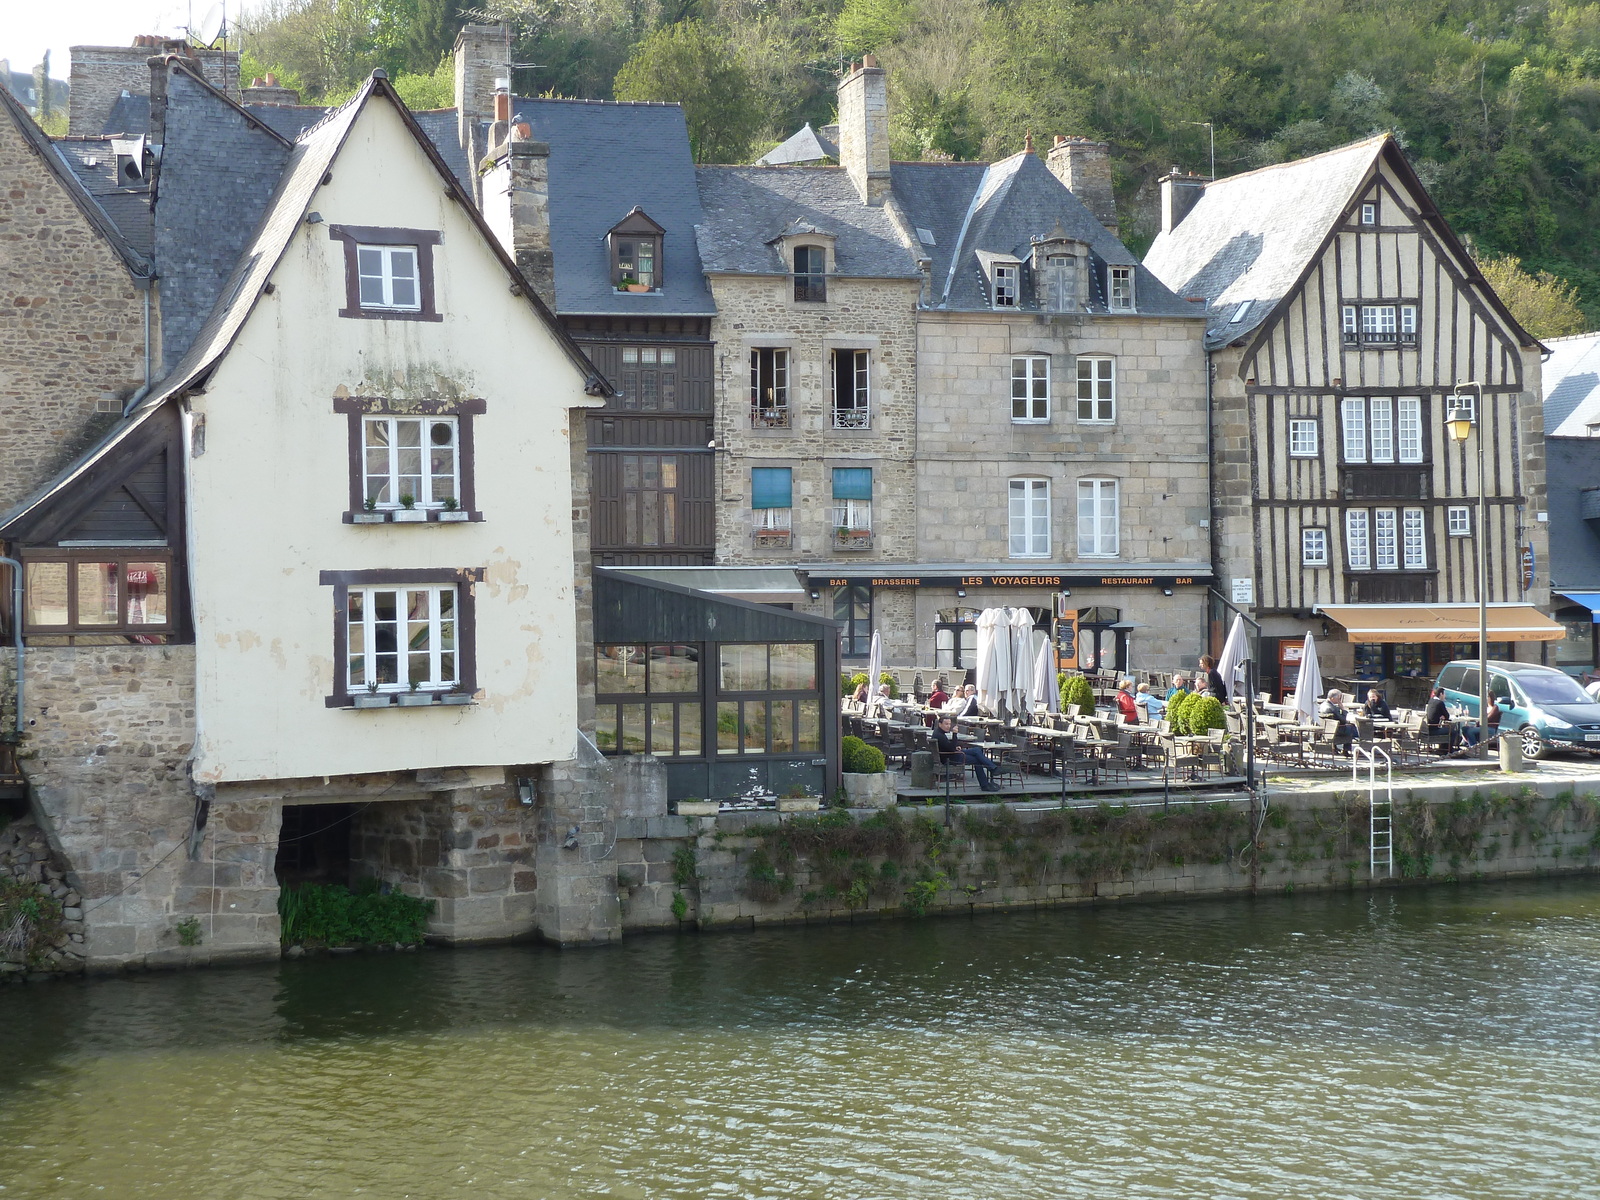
[(1175, 708), (858, 758), (337, 916), (1078, 690), (849, 683), (894, 687), (1205, 713)]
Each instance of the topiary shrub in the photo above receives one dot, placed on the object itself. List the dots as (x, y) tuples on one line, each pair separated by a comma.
[(1077, 690), (1205, 713), (894, 687), (1175, 708), (858, 758), (849, 683)]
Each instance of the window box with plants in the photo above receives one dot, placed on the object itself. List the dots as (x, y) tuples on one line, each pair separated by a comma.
[(372, 698), (408, 511), (698, 808), (845, 538), (415, 698), (629, 284), (867, 781), (772, 539)]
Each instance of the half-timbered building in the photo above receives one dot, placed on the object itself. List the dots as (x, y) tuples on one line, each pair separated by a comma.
[(1344, 317)]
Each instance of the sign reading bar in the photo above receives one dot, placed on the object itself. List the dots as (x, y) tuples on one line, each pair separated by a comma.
[(1009, 581)]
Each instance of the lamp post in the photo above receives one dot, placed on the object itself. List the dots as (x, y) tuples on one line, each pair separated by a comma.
[(1464, 414)]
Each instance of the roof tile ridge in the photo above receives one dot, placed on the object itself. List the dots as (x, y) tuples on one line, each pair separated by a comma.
[(179, 61), (1376, 142)]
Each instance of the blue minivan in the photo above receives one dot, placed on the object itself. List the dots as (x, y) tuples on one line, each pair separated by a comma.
[(1547, 705)]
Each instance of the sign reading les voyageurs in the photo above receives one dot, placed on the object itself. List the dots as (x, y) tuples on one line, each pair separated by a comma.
[(1040, 581)]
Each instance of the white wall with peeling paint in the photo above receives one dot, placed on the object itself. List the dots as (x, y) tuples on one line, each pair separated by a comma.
[(268, 494)]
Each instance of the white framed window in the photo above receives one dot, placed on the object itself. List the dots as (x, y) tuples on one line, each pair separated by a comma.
[(1385, 539), (774, 519), (1097, 518), (1353, 420), (851, 389), (1006, 285), (1030, 387), (1358, 549), (388, 279), (1349, 317), (1369, 214), (1408, 322), (1379, 322), (1382, 324), (1465, 400), (1060, 283), (415, 459), (1097, 389), (1413, 540), (1410, 419), (1313, 547), (1303, 438), (1029, 514), (1458, 520), (400, 636), (769, 387), (771, 498), (1121, 298), (1380, 429), (852, 501)]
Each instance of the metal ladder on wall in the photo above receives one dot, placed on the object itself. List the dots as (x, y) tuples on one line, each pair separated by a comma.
[(1380, 807)]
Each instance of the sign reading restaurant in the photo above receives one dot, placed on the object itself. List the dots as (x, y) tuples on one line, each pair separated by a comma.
[(1038, 581)]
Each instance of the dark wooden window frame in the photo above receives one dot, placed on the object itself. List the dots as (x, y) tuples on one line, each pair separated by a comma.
[(637, 227), (120, 554), (369, 235), (466, 618), (1400, 339), (355, 408), (857, 631), (810, 285), (613, 703)]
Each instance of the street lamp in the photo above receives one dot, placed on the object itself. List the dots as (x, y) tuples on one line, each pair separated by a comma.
[(1463, 415)]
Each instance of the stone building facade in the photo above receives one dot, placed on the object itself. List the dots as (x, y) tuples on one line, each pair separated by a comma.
[(102, 75)]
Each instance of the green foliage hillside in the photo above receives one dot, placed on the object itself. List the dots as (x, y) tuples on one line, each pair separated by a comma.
[(1496, 102)]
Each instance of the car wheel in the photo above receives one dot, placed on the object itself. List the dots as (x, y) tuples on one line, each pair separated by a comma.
[(1533, 744)]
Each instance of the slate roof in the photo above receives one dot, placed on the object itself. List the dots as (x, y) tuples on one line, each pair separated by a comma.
[(805, 145), (1572, 385), (748, 208), (94, 161), (60, 166), (606, 157), (1001, 208), (1572, 464)]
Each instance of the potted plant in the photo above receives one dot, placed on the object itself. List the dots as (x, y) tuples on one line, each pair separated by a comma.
[(798, 800), (452, 510), (415, 698), (372, 697), (369, 514), (408, 510), (867, 783), (630, 284), (690, 807), (456, 698)]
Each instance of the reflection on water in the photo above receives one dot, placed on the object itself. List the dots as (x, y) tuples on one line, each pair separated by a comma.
[(1438, 1044)]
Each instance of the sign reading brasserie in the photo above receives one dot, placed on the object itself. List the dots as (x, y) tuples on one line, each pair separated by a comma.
[(1013, 581)]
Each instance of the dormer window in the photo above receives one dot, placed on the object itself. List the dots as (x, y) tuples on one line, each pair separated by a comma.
[(1121, 289), (1060, 273), (811, 274), (1007, 286), (1369, 214), (636, 253)]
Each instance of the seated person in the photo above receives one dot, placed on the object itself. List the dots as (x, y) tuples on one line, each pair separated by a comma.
[(938, 698), (1180, 683), (859, 696), (965, 702), (1125, 704), (1473, 733), (950, 750), (1377, 707), (1344, 732), (1154, 706), (1437, 714)]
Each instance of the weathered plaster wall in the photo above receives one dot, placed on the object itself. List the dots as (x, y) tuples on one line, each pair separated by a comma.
[(875, 315), (73, 324), (746, 869)]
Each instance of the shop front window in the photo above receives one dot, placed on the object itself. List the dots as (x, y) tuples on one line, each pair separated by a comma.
[(768, 701), (649, 698)]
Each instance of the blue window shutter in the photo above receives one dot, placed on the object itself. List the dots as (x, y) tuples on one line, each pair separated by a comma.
[(852, 483), (771, 487)]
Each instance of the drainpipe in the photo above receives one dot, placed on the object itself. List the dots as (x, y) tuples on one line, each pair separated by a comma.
[(143, 283), (16, 629)]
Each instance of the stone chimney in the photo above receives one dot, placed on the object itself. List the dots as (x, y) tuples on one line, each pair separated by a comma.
[(269, 91), (483, 55), (101, 74), (516, 204), (1180, 192), (1084, 167), (864, 129)]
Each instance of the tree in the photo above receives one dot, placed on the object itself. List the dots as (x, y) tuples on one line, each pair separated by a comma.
[(1545, 304), (693, 66), (868, 26)]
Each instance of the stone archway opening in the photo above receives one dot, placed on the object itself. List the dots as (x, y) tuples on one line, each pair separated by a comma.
[(316, 844)]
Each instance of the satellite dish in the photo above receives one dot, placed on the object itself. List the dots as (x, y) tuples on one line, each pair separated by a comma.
[(214, 25)]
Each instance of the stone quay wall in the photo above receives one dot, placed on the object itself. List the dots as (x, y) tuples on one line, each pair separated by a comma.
[(48, 939), (739, 870)]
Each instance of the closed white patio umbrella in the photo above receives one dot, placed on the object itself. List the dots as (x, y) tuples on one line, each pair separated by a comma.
[(1044, 680), (1021, 660), (1309, 686), (994, 657), (874, 669), (1235, 652)]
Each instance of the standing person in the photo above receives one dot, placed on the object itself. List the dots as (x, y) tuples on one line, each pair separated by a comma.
[(1180, 683), (1125, 704), (950, 750), (1214, 683)]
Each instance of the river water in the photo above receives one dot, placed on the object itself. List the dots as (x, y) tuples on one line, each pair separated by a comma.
[(1427, 1043)]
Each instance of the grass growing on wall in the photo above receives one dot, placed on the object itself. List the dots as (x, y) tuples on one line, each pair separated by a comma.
[(30, 921), (331, 915)]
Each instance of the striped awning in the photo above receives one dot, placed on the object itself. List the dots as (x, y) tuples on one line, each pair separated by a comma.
[(1441, 622)]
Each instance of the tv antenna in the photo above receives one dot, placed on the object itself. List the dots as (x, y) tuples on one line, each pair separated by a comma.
[(1211, 129), (213, 27)]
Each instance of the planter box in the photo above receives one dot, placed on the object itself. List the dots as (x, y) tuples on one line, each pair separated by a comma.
[(869, 791), (372, 700), (414, 699), (401, 516), (855, 540), (799, 804), (369, 518), (698, 808), (454, 514), (775, 539), (456, 698)]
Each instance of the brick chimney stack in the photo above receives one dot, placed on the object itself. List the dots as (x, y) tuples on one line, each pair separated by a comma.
[(269, 91), (864, 129), (1180, 192), (516, 203), (100, 74), (1084, 167), (482, 58)]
